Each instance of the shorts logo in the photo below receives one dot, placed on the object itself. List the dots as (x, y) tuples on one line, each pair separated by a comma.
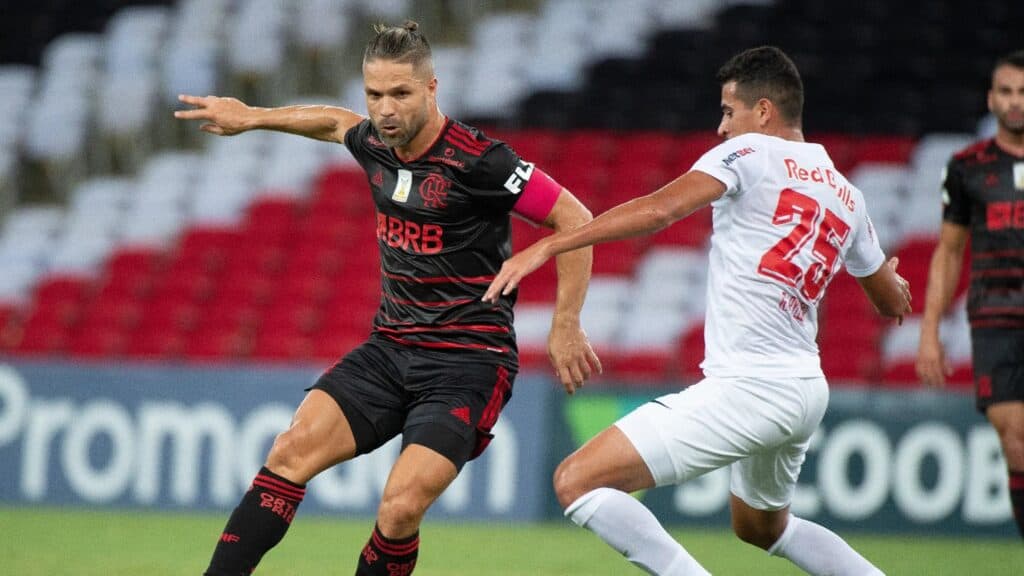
[(462, 413), (984, 386), (434, 191)]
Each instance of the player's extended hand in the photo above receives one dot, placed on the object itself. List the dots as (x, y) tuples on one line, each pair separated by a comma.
[(932, 365), (515, 268), (223, 116), (571, 355), (904, 289)]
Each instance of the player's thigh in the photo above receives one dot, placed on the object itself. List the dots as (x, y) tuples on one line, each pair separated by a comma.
[(766, 479), (367, 387), (713, 424), (455, 406)]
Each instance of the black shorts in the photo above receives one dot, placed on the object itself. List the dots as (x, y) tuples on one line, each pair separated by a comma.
[(430, 398), (998, 357)]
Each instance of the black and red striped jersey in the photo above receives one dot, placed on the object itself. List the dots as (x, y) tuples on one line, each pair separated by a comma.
[(984, 191), (443, 230)]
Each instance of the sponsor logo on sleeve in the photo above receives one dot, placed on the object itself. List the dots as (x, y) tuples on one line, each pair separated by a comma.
[(519, 177), (737, 155)]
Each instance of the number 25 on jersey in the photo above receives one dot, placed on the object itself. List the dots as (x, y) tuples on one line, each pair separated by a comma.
[(826, 234)]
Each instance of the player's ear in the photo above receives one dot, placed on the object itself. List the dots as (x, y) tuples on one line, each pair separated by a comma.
[(765, 111)]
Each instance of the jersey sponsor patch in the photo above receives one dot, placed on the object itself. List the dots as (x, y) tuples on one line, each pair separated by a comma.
[(402, 186), (737, 155), (1018, 175), (519, 177)]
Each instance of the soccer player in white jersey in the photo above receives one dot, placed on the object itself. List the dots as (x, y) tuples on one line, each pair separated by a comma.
[(784, 222)]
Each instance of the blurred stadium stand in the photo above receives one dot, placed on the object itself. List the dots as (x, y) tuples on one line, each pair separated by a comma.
[(126, 235)]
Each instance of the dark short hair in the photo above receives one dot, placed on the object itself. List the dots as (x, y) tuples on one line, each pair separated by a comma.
[(766, 72), (405, 44), (1015, 59)]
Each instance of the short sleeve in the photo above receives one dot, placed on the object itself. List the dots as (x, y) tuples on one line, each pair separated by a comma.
[(356, 140), (865, 255), (956, 207), (508, 183), (730, 161)]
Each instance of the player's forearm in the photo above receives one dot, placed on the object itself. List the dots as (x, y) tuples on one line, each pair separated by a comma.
[(573, 267), (646, 214), (943, 276), (327, 123), (573, 277), (634, 218)]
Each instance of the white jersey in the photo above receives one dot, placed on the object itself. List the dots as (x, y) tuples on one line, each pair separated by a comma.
[(785, 224)]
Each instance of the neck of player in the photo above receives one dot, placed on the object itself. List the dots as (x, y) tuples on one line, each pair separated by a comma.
[(1011, 142)]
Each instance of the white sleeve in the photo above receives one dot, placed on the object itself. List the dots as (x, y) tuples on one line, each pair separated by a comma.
[(731, 162), (865, 256)]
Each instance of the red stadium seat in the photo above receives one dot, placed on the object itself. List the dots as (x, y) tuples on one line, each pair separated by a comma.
[(272, 216), (97, 341), (891, 149), (649, 366), (43, 334), (689, 148), (10, 325), (693, 231), (216, 342), (618, 257), (691, 352), (331, 346), (283, 347)]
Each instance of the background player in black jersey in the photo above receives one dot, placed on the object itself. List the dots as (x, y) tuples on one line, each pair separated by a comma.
[(983, 199), (440, 362)]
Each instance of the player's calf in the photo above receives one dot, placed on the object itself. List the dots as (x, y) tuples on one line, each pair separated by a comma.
[(256, 525)]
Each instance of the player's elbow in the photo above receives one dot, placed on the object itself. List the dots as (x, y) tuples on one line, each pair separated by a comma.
[(572, 219)]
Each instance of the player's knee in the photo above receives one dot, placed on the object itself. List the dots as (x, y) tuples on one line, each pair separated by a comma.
[(287, 456), (762, 535), (568, 482), (400, 513)]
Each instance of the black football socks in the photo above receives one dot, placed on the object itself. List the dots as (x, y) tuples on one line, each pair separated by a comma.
[(383, 556), (1017, 498), (257, 524)]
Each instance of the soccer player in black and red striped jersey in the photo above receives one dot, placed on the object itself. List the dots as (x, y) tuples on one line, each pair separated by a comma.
[(983, 198), (439, 364)]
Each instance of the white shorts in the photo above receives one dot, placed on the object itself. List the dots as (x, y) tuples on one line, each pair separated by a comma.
[(761, 427)]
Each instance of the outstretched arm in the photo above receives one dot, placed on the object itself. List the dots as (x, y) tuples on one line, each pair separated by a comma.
[(568, 347), (943, 275), (640, 216), (230, 116)]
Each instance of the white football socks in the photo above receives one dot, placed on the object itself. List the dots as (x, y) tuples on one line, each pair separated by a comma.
[(629, 527), (819, 551)]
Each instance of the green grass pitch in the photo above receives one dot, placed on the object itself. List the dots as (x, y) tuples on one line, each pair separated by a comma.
[(52, 542)]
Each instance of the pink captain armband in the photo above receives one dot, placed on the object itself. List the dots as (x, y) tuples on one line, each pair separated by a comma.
[(538, 198)]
